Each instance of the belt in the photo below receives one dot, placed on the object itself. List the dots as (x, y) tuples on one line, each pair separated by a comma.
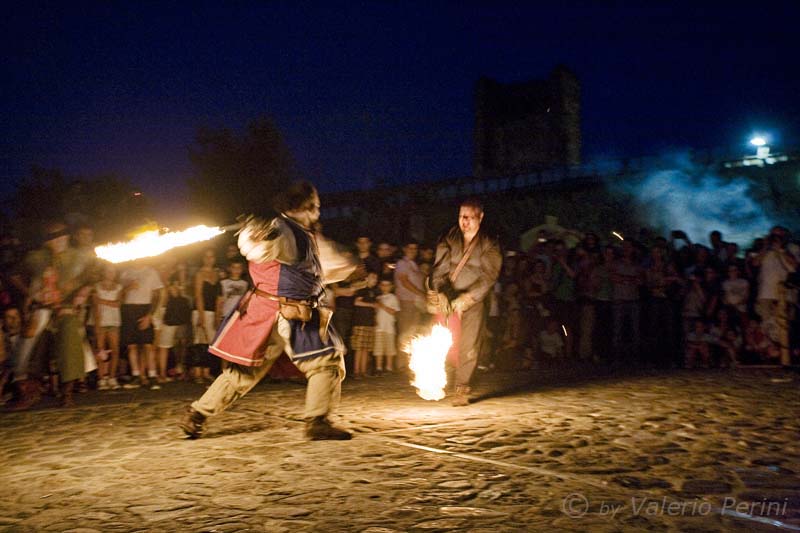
[(284, 300), (304, 316)]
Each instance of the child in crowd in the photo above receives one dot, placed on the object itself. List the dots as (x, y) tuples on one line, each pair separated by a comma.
[(232, 288), (551, 340), (363, 338), (177, 323), (727, 340), (385, 336), (694, 304), (735, 292), (698, 343), (731, 348), (757, 345), (106, 301)]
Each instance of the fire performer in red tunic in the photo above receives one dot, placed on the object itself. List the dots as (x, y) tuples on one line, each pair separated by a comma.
[(468, 262), (289, 265)]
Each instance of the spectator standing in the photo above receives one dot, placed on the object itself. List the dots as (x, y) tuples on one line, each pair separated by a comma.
[(584, 265), (713, 288), (536, 288), (602, 297), (626, 276), (410, 292), (164, 271), (177, 321), (386, 257), (702, 259), (370, 261), (513, 333), (385, 333), (204, 316), (775, 266), (9, 347), (735, 292), (661, 328), (142, 287), (591, 243), (563, 289), (344, 297), (106, 302), (363, 338), (719, 248), (694, 304)]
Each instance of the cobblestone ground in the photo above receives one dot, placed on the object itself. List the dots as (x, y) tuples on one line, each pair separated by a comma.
[(668, 452)]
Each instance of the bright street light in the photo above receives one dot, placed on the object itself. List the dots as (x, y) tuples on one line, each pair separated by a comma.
[(758, 141)]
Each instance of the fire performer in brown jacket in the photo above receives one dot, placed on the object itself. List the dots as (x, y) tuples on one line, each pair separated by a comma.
[(468, 262)]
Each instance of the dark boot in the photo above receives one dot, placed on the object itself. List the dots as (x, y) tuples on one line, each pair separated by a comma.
[(461, 397), (193, 423), (319, 428), (27, 395)]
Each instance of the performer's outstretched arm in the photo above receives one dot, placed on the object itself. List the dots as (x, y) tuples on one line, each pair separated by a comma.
[(263, 240), (336, 266)]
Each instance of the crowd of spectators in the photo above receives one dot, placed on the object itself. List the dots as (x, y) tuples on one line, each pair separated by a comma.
[(655, 301), (72, 322)]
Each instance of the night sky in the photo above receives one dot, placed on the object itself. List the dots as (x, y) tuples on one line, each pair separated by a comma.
[(364, 90)]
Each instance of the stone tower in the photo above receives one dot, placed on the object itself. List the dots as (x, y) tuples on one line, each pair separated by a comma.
[(527, 126)]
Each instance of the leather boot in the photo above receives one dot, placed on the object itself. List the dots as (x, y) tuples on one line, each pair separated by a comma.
[(193, 423), (27, 395), (461, 397), (319, 428)]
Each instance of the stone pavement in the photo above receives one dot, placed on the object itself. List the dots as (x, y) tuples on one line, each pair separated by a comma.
[(679, 451)]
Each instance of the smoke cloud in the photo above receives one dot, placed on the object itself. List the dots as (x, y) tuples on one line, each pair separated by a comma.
[(680, 194)]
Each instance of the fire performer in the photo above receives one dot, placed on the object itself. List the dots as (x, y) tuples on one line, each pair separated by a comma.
[(289, 264), (467, 265)]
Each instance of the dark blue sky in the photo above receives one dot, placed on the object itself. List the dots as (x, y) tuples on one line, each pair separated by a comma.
[(369, 89)]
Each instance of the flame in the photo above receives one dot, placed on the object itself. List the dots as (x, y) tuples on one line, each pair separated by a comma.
[(428, 356), (152, 243)]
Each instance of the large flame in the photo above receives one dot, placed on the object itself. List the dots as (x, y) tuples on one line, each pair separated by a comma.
[(428, 356), (152, 243)]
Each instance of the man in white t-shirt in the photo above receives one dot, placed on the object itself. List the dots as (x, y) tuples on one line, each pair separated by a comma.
[(142, 287)]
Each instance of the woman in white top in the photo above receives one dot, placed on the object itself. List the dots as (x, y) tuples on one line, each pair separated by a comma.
[(106, 299)]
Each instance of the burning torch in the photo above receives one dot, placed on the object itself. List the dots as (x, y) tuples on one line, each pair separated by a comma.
[(153, 242)]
